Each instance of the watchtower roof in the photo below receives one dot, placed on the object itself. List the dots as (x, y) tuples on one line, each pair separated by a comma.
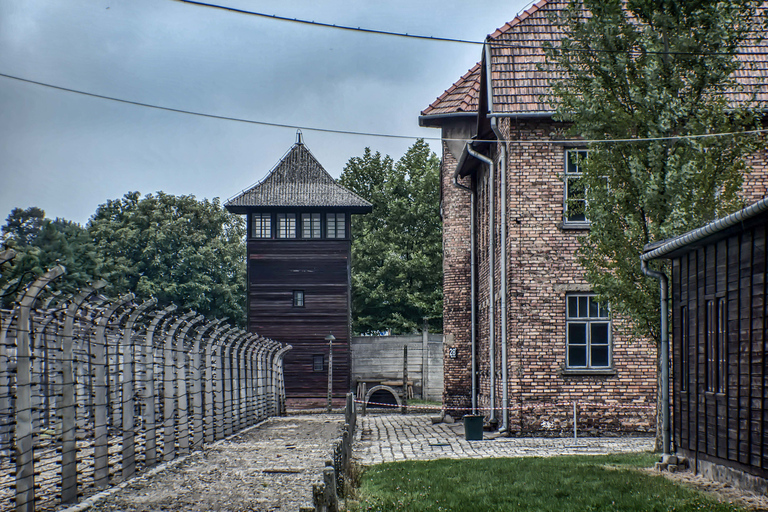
[(298, 180)]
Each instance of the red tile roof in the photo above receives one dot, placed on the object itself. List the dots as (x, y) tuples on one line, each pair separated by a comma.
[(460, 97), (519, 87)]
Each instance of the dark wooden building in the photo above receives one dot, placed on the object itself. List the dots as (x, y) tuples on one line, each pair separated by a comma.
[(719, 320), (299, 268)]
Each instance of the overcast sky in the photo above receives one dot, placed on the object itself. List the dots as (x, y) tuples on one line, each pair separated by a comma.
[(68, 153)]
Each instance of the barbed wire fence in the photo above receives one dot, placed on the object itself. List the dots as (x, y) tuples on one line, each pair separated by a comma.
[(94, 390)]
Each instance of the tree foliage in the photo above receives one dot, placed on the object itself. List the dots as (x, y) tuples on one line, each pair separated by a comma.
[(651, 69), (175, 248), (396, 249)]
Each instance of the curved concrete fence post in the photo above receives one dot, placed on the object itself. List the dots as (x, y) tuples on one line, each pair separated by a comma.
[(228, 381), (66, 409), (115, 357), (251, 395), (219, 399), (100, 399), (182, 420), (150, 420), (242, 383), (128, 464), (42, 368), (169, 385), (273, 386), (281, 379), (211, 380), (197, 382), (25, 461), (260, 384)]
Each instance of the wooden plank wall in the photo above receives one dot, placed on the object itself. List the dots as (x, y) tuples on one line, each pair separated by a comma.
[(729, 427), (381, 358), (321, 269)]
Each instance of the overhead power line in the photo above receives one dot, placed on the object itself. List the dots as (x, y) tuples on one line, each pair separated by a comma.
[(495, 44), (370, 134)]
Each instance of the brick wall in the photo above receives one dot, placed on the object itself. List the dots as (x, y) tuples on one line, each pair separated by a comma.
[(542, 270)]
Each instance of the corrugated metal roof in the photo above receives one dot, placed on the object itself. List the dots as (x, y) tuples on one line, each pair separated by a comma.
[(519, 87), (298, 180)]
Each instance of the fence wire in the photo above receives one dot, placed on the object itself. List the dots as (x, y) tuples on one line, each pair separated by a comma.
[(94, 390)]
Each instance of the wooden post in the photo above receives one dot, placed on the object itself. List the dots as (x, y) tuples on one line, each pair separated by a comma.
[(405, 380), (425, 359), (330, 339)]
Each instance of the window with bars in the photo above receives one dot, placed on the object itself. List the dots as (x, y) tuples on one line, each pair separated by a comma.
[(261, 225), (575, 192), (286, 225), (318, 363), (716, 345), (588, 332), (310, 225), (684, 346), (335, 225), (298, 298)]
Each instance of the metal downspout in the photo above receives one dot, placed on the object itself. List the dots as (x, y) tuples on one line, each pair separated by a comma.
[(664, 285), (472, 290), (491, 280), (503, 291)]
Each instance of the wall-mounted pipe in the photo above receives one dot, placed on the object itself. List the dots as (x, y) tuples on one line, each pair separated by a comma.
[(472, 286), (663, 284), (491, 277), (503, 287)]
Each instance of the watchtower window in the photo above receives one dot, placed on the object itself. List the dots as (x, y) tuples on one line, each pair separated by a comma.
[(335, 225), (261, 225), (286, 225), (310, 225)]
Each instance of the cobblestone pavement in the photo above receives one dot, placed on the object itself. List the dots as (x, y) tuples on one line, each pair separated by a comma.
[(395, 437), (267, 468)]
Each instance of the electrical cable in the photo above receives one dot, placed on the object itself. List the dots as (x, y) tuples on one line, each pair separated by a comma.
[(373, 134), (443, 39)]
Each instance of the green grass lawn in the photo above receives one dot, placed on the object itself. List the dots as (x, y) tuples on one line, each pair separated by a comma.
[(577, 483)]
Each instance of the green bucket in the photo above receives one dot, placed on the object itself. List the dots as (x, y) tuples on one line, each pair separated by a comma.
[(473, 427)]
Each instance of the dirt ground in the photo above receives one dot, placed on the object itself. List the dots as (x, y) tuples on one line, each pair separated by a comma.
[(270, 468)]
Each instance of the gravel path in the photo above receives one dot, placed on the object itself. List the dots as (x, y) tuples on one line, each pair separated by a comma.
[(269, 468)]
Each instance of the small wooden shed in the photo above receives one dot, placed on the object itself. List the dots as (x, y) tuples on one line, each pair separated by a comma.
[(299, 251), (719, 319)]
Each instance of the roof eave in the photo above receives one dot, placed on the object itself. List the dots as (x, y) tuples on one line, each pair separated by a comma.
[(437, 120)]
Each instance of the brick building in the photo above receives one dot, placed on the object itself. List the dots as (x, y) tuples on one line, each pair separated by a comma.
[(515, 300)]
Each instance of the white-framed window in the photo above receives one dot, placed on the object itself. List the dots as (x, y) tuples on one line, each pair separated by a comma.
[(588, 332), (310, 225), (574, 189), (298, 298), (261, 225), (335, 225), (286, 225)]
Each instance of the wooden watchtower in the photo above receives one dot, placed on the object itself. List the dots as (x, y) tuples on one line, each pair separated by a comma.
[(299, 251)]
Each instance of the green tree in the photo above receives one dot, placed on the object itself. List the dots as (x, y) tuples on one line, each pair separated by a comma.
[(41, 243), (651, 69), (396, 249), (180, 250)]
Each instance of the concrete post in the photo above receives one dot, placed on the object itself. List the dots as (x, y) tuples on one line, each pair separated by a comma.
[(404, 408), (66, 409), (25, 463), (211, 380), (100, 399), (182, 363), (169, 388), (129, 371), (150, 420), (197, 383), (425, 359)]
